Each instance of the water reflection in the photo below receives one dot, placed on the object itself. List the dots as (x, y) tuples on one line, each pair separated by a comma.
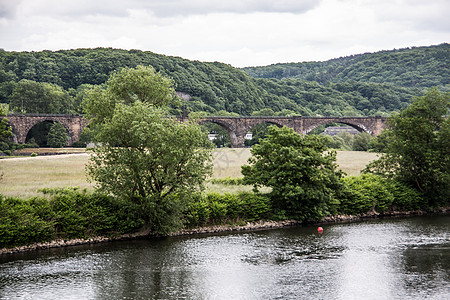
[(390, 259)]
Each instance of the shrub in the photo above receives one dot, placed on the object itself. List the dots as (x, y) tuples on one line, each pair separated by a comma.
[(228, 181), (66, 213), (370, 192), (214, 208), (365, 193)]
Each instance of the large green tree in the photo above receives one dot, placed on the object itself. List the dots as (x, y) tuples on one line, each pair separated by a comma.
[(303, 176), (143, 156), (418, 147)]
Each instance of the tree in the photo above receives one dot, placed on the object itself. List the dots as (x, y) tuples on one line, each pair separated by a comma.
[(302, 174), (40, 97), (418, 148), (143, 156), (361, 141), (128, 86), (57, 136), (5, 134)]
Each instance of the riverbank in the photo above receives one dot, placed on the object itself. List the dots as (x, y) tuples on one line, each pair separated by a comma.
[(254, 226)]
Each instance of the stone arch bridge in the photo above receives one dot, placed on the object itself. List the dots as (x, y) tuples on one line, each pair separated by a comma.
[(237, 127)]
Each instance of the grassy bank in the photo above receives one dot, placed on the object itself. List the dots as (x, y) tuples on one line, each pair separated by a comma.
[(23, 176)]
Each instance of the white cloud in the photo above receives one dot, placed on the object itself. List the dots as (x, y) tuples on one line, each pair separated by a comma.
[(238, 32)]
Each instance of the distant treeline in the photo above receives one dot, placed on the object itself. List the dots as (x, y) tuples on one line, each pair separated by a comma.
[(369, 84)]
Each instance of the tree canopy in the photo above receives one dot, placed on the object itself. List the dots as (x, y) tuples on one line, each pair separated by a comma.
[(369, 84), (303, 176), (142, 155), (418, 147)]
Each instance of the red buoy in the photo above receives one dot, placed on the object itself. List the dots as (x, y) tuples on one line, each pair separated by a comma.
[(320, 230)]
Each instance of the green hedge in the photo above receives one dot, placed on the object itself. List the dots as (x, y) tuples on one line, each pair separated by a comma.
[(228, 180), (67, 214), (214, 208), (370, 192)]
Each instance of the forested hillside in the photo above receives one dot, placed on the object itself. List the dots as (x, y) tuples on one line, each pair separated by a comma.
[(420, 67), (368, 84)]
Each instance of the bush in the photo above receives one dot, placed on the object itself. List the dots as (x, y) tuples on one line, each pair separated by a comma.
[(228, 181), (370, 192), (215, 208), (406, 197), (361, 141), (20, 222), (68, 213), (365, 193)]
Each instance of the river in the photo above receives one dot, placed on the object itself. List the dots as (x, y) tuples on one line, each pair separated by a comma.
[(404, 258)]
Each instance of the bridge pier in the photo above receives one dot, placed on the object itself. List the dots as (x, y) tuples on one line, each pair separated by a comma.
[(237, 140)]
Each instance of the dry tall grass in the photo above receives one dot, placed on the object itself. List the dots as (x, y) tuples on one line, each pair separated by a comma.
[(22, 177)]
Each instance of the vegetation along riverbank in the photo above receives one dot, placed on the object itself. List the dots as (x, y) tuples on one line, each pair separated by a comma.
[(153, 184)]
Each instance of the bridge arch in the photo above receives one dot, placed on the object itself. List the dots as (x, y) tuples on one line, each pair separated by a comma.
[(234, 127), (22, 124), (40, 130), (220, 133), (360, 129), (371, 125), (258, 129)]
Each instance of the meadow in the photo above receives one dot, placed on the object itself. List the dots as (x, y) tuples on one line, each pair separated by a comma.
[(23, 176)]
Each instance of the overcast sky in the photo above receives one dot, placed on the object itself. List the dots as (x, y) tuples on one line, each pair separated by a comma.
[(237, 32)]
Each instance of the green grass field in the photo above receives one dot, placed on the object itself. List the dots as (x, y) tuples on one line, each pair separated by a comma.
[(23, 176)]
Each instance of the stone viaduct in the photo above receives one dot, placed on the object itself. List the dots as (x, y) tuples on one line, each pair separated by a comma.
[(21, 125), (237, 127)]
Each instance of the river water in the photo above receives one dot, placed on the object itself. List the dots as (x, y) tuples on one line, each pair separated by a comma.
[(407, 258)]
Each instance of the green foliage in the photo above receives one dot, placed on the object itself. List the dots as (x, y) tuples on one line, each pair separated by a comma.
[(361, 141), (259, 131), (409, 67), (66, 213), (303, 177), (214, 208), (418, 148), (57, 136), (379, 143), (143, 156), (370, 193), (365, 193), (148, 169), (128, 86), (40, 97), (5, 134), (4, 109), (228, 180), (369, 84), (21, 222)]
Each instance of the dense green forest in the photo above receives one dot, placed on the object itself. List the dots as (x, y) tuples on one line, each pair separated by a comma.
[(419, 67), (368, 84)]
